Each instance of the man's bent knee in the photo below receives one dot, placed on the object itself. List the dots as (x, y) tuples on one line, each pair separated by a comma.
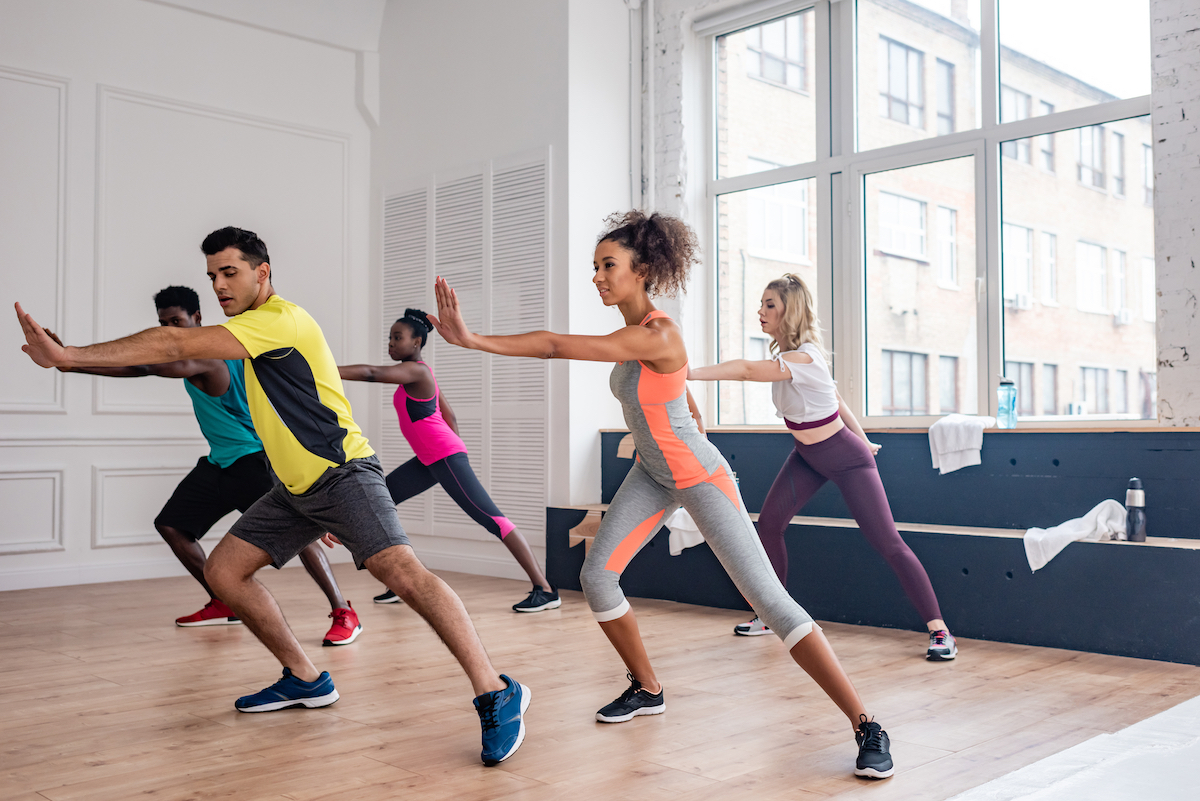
[(234, 560)]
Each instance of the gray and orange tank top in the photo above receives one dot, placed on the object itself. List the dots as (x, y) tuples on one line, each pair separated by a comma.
[(669, 444)]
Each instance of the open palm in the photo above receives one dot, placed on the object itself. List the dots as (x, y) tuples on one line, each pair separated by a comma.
[(44, 349), (449, 320)]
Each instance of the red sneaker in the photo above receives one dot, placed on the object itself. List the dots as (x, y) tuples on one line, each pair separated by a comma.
[(345, 628), (214, 613)]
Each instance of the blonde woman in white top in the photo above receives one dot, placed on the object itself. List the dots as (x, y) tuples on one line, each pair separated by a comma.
[(830, 446)]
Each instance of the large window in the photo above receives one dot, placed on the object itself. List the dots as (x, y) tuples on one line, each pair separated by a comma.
[(901, 84), (873, 175)]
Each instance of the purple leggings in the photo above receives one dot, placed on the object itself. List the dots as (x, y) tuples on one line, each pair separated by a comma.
[(845, 460)]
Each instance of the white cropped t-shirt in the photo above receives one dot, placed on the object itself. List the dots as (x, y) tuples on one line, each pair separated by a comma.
[(811, 394)]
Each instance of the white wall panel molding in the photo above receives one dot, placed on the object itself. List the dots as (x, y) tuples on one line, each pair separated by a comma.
[(32, 504), (33, 158), (169, 171), (125, 501), (100, 442)]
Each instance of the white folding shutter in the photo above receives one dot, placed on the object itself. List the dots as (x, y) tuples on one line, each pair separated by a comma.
[(459, 258), (406, 283), (517, 428)]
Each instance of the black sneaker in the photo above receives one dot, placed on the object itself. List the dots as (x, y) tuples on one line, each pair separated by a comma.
[(942, 647), (539, 599), (633, 702), (388, 597), (874, 759)]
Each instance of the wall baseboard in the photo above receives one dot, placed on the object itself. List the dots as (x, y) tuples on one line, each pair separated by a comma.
[(431, 550)]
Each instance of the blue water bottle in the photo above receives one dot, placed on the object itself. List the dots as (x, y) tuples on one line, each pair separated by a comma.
[(1006, 396)]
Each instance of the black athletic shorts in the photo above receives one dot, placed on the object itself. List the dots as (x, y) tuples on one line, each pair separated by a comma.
[(208, 493)]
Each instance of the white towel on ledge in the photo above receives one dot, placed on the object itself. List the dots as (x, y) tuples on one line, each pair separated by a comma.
[(955, 441), (684, 533), (1105, 521)]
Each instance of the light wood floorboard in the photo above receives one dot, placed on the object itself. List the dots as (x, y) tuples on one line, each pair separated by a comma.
[(103, 699)]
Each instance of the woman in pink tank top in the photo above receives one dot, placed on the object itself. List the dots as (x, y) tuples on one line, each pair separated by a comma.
[(429, 425)]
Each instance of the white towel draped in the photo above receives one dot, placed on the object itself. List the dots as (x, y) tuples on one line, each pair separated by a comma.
[(955, 441), (1106, 521), (684, 533)]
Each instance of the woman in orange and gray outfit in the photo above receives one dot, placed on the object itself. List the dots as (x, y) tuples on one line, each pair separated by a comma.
[(638, 256)]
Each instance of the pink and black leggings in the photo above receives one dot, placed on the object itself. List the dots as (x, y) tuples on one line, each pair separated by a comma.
[(457, 478), (845, 460)]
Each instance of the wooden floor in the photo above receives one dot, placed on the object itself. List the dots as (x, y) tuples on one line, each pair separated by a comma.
[(104, 699)]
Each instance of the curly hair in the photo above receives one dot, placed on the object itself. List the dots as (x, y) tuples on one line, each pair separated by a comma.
[(664, 248)]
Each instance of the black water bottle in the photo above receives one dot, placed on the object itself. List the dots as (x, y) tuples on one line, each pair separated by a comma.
[(1135, 511)]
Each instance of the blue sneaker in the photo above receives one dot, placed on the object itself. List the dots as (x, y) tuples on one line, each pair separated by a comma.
[(289, 692), (502, 716)]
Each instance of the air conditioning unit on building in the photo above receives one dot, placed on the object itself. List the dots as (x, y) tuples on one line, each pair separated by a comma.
[(1123, 317), (1022, 300)]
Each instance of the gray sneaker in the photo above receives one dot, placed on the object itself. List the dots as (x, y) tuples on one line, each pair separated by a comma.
[(751, 628), (942, 647)]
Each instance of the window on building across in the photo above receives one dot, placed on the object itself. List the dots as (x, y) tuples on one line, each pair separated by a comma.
[(947, 384), (777, 218), (1091, 277), (776, 52), (1091, 156), (1046, 142), (1014, 105), (1120, 391), (903, 378), (1049, 389), (1049, 257), (1148, 387), (1147, 175), (1120, 282), (947, 234), (1017, 256), (1149, 295), (945, 97), (1094, 389), (901, 226), (901, 89), (1118, 164), (1022, 374)]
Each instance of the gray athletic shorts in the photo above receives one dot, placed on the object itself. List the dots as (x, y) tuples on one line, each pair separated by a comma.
[(351, 501)]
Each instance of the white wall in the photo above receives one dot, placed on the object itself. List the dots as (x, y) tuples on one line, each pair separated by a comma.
[(501, 79), (128, 131), (1175, 28)]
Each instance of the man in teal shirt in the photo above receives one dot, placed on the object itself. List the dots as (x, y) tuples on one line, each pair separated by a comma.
[(234, 475)]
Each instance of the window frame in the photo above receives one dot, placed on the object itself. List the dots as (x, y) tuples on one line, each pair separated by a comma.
[(839, 169)]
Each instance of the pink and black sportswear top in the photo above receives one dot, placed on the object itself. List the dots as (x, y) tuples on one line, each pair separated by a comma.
[(422, 424)]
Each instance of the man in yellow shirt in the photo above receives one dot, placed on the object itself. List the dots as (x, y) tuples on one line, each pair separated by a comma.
[(330, 481)]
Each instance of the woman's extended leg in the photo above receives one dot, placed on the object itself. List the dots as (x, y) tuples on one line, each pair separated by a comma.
[(795, 485), (635, 515), (455, 475), (852, 468)]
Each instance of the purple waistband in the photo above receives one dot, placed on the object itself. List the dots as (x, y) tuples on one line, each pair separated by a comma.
[(810, 424)]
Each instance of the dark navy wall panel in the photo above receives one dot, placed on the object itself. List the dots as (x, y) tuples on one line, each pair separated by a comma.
[(1126, 600), (1026, 479)]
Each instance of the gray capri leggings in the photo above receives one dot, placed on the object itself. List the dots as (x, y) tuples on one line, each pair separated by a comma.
[(637, 513)]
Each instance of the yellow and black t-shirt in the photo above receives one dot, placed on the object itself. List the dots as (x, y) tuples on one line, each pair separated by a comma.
[(295, 394)]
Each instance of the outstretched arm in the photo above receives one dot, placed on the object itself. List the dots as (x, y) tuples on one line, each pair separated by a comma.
[(742, 370), (402, 373), (152, 346), (633, 342), (181, 369)]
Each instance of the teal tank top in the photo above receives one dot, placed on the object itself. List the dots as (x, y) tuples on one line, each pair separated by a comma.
[(225, 421)]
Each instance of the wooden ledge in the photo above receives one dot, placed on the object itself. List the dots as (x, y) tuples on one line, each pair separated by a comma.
[(587, 529)]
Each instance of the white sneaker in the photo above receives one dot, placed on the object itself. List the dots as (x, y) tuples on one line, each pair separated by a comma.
[(751, 628)]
